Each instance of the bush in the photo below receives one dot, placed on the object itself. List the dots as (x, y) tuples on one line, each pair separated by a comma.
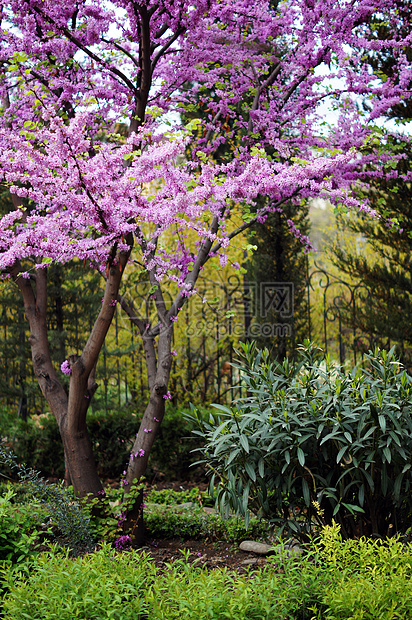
[(187, 593), (371, 579), (170, 497), (19, 529), (62, 511), (172, 452), (37, 441), (127, 586), (171, 522), (311, 443), (112, 435), (336, 580), (104, 584)]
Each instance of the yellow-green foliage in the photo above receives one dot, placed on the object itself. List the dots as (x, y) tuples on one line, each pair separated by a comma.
[(371, 579)]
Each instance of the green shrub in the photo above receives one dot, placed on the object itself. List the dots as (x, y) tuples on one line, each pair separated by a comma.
[(104, 584), (19, 529), (108, 511), (170, 497), (112, 435), (311, 443), (127, 586), (370, 579), (185, 592), (170, 522), (37, 442), (172, 452), (336, 580), (71, 524)]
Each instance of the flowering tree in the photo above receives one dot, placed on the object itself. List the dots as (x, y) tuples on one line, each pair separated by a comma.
[(74, 72)]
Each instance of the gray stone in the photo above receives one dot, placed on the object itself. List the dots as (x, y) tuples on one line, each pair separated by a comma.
[(249, 562), (255, 547)]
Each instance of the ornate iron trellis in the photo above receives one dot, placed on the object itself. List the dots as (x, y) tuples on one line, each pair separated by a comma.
[(202, 370), (340, 300)]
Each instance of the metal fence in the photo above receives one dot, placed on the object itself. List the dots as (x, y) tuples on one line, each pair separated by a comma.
[(222, 313)]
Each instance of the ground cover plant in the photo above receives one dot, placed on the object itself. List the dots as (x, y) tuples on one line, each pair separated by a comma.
[(334, 579), (60, 510), (165, 521), (20, 526), (313, 442)]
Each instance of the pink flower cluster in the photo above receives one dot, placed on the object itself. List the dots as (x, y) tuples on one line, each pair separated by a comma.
[(65, 368)]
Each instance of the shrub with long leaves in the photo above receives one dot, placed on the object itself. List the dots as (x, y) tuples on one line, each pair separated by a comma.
[(312, 442)]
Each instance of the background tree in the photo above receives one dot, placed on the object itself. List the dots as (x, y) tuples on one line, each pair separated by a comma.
[(383, 262), (73, 70), (280, 259), (382, 258)]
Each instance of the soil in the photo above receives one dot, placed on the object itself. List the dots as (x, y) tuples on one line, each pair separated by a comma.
[(209, 554)]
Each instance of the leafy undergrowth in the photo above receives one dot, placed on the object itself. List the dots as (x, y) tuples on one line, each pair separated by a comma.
[(181, 578), (171, 522), (334, 580)]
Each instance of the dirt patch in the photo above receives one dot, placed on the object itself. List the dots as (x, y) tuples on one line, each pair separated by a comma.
[(202, 553)]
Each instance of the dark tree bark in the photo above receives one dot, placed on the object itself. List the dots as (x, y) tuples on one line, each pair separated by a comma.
[(70, 410)]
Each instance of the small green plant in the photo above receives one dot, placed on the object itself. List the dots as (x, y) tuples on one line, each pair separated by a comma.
[(169, 522), (127, 586), (107, 512), (311, 443), (369, 579), (105, 584), (72, 525), (184, 592), (336, 579), (19, 528)]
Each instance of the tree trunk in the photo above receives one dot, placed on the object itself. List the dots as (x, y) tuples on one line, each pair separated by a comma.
[(155, 409), (80, 459), (70, 411)]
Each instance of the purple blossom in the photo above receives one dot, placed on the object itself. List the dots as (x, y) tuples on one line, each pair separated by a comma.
[(123, 542), (167, 396), (147, 430), (65, 368)]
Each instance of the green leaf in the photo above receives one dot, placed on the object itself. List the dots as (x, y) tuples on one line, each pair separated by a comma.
[(244, 442), (301, 456), (387, 453), (306, 494), (250, 471), (341, 453)]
